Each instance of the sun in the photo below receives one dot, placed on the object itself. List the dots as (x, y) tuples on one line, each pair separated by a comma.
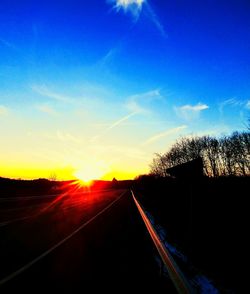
[(88, 174)]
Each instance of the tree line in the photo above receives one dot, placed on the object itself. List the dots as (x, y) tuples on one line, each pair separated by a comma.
[(224, 156)]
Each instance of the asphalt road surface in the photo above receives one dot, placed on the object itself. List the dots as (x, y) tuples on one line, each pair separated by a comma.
[(77, 242)]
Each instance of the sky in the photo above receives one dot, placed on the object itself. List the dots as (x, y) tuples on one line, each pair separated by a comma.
[(93, 89)]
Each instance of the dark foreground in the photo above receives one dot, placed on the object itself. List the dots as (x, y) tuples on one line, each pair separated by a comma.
[(113, 253), (207, 220)]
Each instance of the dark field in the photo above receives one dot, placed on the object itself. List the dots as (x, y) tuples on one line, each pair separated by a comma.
[(95, 240)]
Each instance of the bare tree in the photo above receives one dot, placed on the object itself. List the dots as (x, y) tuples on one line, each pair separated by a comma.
[(229, 155), (53, 176), (210, 154), (159, 165)]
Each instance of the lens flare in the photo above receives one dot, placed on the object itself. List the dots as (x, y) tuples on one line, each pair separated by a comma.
[(88, 173)]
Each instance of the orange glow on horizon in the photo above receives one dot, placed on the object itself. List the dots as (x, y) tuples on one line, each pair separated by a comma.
[(88, 173), (86, 184), (83, 171)]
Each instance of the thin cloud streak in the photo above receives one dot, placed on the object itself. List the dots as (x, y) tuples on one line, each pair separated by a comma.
[(137, 123), (120, 121), (46, 92), (167, 133), (232, 102), (108, 57), (155, 20), (88, 97), (114, 125)]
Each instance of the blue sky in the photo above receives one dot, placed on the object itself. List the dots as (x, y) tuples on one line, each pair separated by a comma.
[(109, 83)]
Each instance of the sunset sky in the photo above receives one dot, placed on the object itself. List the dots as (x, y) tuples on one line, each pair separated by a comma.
[(95, 88)]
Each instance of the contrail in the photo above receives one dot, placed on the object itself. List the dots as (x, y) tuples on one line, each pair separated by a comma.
[(114, 125), (164, 134)]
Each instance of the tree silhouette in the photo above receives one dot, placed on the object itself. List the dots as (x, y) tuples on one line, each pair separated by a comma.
[(228, 155)]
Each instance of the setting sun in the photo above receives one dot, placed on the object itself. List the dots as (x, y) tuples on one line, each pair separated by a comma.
[(88, 173)]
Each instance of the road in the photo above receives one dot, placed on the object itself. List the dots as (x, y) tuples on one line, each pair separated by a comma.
[(92, 241)]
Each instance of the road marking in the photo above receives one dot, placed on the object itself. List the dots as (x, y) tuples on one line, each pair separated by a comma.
[(5, 223), (28, 265), (48, 206), (180, 282)]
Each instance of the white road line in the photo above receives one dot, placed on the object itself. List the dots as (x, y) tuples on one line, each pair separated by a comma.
[(28, 265)]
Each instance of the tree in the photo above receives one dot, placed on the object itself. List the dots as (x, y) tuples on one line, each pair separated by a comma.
[(229, 155), (53, 176)]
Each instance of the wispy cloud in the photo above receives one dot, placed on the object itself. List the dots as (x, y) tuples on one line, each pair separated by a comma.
[(135, 8), (86, 95), (43, 90), (155, 20), (162, 135), (232, 102), (190, 112), (150, 95), (198, 107), (138, 102), (248, 104), (114, 125), (120, 121), (3, 110), (134, 123), (46, 109), (108, 57)]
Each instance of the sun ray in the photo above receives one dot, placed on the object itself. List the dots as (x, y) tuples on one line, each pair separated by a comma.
[(89, 172)]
